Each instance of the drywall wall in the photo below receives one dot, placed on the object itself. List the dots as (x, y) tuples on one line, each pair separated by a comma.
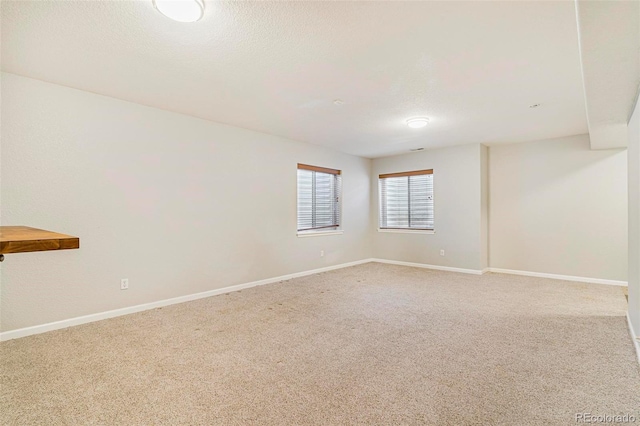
[(484, 207), (458, 200), (176, 204), (634, 218), (558, 207)]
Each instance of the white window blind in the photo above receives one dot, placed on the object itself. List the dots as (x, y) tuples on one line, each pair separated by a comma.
[(406, 200), (318, 198)]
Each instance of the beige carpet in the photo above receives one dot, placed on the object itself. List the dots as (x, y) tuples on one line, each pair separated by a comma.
[(371, 344)]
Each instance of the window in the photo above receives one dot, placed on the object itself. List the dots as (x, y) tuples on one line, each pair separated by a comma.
[(406, 200), (318, 199)]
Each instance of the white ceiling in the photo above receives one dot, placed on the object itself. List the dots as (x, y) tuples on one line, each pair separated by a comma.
[(610, 51), (472, 67)]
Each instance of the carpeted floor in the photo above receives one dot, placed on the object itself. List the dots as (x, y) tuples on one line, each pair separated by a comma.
[(372, 344)]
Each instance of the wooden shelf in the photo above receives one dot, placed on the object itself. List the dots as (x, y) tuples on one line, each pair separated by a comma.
[(22, 239)]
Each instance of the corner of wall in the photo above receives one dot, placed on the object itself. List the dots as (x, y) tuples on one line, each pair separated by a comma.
[(484, 207), (633, 161)]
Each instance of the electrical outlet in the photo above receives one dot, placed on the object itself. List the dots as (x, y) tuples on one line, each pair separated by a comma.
[(124, 283), (321, 253), (441, 252)]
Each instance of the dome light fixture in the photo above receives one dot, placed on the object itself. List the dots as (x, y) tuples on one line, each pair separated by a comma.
[(417, 122), (181, 10)]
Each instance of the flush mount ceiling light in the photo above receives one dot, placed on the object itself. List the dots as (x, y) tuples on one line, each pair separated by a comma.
[(534, 106), (181, 10), (417, 122)]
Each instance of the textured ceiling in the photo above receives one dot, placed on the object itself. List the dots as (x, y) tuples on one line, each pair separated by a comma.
[(610, 50), (472, 67)]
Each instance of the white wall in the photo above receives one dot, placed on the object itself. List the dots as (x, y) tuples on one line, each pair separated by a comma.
[(634, 219), (558, 207), (484, 207), (457, 197), (176, 204)]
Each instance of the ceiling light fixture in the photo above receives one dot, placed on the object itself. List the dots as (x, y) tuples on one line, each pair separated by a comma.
[(417, 122), (338, 102), (534, 106), (416, 149), (181, 10)]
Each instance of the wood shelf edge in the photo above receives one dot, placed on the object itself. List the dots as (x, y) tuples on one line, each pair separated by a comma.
[(24, 239)]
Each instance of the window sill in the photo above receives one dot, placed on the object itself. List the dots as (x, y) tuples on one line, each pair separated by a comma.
[(408, 231), (318, 233)]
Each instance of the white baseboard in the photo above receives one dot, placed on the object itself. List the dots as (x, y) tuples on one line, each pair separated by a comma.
[(57, 325), (634, 337), (426, 266), (558, 277)]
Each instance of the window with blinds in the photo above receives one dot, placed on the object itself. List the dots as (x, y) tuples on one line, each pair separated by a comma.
[(406, 200), (318, 198)]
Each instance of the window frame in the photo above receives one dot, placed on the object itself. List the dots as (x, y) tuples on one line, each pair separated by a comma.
[(322, 230), (410, 230)]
